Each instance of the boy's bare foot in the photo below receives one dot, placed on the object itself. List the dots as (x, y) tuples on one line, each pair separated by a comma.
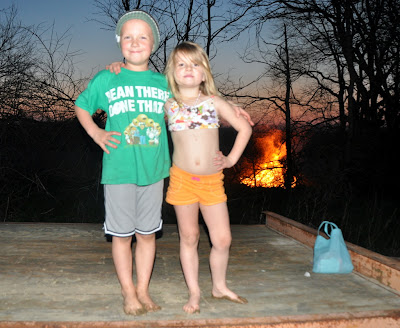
[(151, 307), (132, 306), (192, 306), (148, 303), (229, 296)]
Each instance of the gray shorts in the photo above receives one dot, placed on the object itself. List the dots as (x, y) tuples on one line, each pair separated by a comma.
[(130, 208)]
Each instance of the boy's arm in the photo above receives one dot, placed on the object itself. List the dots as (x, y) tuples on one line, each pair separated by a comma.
[(101, 137), (241, 125)]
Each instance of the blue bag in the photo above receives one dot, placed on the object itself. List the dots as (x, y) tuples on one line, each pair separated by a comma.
[(331, 255)]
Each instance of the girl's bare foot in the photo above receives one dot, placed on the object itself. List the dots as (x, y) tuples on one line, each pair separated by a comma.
[(192, 306), (132, 306), (228, 295)]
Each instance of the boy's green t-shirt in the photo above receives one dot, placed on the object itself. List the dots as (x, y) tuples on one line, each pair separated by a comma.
[(134, 104)]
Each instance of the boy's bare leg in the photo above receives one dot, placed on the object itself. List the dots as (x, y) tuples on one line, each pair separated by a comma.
[(216, 218), (144, 259), (122, 256), (189, 234)]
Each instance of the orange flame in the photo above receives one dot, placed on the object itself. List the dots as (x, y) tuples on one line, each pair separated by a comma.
[(268, 171)]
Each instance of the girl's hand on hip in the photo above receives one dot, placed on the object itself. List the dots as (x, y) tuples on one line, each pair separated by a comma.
[(221, 161)]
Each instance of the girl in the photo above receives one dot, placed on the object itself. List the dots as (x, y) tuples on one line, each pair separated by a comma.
[(196, 178)]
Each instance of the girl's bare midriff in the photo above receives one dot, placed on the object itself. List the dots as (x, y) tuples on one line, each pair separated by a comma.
[(194, 150)]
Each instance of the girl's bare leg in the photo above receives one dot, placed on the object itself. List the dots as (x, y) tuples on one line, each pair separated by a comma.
[(144, 259), (216, 218), (189, 234), (122, 256)]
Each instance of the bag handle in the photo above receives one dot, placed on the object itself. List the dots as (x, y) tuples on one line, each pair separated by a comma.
[(327, 223)]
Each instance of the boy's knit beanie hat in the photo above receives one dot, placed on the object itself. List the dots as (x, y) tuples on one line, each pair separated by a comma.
[(142, 15)]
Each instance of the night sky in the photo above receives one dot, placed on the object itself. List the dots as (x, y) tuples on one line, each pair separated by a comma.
[(98, 45)]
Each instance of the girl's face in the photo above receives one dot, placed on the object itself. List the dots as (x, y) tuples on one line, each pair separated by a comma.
[(136, 44), (187, 73)]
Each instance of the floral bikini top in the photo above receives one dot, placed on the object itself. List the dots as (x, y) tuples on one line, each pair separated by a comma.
[(201, 116)]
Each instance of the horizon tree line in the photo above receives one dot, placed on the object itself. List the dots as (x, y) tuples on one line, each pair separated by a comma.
[(325, 64)]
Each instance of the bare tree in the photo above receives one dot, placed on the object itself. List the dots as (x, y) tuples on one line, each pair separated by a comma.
[(55, 82), (350, 61), (367, 35), (16, 62), (37, 71), (282, 64), (288, 126), (38, 83), (207, 22)]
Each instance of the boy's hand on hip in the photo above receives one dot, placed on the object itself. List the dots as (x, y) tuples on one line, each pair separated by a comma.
[(105, 138)]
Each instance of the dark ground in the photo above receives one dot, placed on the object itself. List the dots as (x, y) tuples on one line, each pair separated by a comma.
[(50, 172)]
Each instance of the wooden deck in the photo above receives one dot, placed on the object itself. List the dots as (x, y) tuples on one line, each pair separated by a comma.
[(62, 275)]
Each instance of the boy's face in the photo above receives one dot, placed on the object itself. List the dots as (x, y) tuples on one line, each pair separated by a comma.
[(136, 44)]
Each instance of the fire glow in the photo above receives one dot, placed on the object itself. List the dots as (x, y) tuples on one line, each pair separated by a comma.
[(268, 170)]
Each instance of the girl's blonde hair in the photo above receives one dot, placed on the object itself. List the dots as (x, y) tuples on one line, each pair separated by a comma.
[(197, 55)]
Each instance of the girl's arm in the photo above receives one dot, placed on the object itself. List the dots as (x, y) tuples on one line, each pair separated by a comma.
[(115, 67), (240, 111), (101, 137), (241, 125)]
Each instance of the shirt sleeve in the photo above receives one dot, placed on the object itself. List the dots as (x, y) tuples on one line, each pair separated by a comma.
[(93, 97)]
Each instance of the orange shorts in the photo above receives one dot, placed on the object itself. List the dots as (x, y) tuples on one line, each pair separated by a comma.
[(186, 188)]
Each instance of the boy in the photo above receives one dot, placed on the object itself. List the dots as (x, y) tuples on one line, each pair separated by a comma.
[(136, 158)]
